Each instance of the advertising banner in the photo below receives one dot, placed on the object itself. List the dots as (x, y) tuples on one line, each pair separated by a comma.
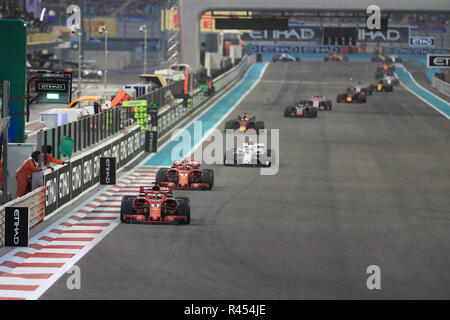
[(64, 185), (96, 166), (151, 141), (293, 49), (108, 171), (76, 170), (438, 61), (115, 153), (311, 33), (17, 220), (92, 25), (414, 51), (421, 41), (51, 192), (88, 171)]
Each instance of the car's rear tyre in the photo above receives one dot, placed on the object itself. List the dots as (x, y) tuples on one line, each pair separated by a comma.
[(161, 175), (229, 125), (328, 105), (208, 177), (339, 98), (269, 156), (126, 207), (362, 99), (259, 125)]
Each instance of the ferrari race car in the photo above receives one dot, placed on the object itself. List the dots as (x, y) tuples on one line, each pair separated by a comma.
[(243, 124), (320, 103), (250, 155), (303, 109), (383, 86), (186, 175), (351, 96), (335, 57), (155, 205), (285, 58)]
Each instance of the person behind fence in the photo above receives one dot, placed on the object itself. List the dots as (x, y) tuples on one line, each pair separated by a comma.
[(25, 173), (50, 159)]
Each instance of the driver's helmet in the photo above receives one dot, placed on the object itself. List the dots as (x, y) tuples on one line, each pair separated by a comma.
[(244, 117), (188, 168), (159, 196)]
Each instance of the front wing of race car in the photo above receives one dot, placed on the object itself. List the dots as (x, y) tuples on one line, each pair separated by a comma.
[(168, 220), (255, 163)]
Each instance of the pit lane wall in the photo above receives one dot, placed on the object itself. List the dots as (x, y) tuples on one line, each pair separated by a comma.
[(34, 200), (69, 182)]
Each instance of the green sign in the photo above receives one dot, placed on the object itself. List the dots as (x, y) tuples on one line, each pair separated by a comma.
[(66, 146), (135, 103), (141, 117), (13, 43), (53, 96)]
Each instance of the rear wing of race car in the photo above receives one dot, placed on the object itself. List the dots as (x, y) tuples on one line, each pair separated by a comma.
[(156, 188), (194, 164)]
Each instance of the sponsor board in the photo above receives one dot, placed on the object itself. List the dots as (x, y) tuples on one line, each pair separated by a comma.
[(68, 182), (96, 166), (151, 141), (88, 171), (76, 173), (394, 34), (52, 86), (438, 61), (51, 192), (17, 221), (414, 51), (108, 171), (294, 49), (422, 41), (64, 185)]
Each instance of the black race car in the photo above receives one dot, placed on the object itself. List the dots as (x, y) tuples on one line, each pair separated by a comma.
[(285, 58), (244, 124), (303, 109)]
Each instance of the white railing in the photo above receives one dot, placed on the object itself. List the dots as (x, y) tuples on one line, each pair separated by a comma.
[(442, 86)]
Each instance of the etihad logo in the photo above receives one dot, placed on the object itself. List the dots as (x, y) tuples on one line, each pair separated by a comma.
[(438, 61)]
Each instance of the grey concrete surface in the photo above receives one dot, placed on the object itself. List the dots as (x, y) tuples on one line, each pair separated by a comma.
[(361, 185)]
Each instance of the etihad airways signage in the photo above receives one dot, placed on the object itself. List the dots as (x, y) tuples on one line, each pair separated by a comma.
[(395, 34)]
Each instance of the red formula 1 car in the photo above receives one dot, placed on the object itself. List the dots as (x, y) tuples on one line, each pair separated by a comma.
[(155, 205), (186, 175)]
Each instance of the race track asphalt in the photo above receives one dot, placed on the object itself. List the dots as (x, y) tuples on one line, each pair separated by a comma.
[(358, 186)]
